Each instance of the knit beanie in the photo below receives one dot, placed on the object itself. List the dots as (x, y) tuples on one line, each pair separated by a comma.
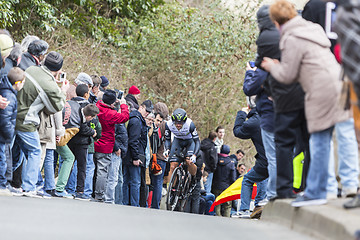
[(109, 97), (134, 90), (54, 61), (104, 81), (83, 78), (225, 149)]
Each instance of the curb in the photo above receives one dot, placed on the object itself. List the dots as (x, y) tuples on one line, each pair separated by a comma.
[(329, 221)]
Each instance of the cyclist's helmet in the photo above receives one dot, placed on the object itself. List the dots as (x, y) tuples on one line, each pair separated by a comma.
[(179, 116)]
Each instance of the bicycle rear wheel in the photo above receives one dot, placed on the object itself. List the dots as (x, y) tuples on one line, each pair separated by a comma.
[(174, 190)]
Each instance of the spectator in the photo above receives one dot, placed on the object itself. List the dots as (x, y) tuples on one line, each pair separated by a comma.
[(135, 156), (250, 129), (321, 96), (290, 124), (26, 42), (104, 83), (348, 167), (210, 158), (241, 170), (82, 78), (9, 87), (37, 80), (238, 156), (79, 144), (95, 89), (132, 98), (34, 55), (224, 176), (13, 59), (157, 140), (114, 187), (108, 117), (219, 141), (73, 117)]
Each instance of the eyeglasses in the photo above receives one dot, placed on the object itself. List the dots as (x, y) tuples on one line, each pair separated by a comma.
[(19, 81)]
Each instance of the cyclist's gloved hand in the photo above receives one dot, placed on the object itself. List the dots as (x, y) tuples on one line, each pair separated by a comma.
[(193, 158), (166, 153)]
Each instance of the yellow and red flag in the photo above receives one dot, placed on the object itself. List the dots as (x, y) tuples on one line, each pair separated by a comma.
[(233, 192)]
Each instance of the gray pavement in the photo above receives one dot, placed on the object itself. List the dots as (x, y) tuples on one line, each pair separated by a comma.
[(330, 221), (32, 218)]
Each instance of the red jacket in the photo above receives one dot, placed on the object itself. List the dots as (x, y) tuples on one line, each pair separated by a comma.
[(108, 117)]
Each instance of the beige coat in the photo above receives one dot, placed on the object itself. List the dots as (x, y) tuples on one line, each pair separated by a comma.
[(306, 58)]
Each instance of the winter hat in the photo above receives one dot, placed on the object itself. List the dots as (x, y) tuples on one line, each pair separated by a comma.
[(148, 106), (104, 81), (54, 61), (225, 149), (109, 97), (134, 90), (83, 78), (6, 44)]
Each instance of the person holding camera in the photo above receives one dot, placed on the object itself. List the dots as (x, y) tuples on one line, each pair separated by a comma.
[(104, 147)]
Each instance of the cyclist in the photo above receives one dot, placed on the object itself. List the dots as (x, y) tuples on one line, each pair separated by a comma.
[(185, 138)]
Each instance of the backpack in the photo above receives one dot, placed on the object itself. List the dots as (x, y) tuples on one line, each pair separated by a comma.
[(347, 27)]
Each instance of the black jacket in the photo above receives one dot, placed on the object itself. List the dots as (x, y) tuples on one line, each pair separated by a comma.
[(137, 135), (286, 97), (250, 129), (83, 137), (210, 155), (253, 85), (121, 139), (27, 60), (225, 174), (7, 115), (132, 102)]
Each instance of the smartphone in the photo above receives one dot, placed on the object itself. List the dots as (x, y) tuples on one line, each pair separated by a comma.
[(252, 64), (330, 17), (62, 77)]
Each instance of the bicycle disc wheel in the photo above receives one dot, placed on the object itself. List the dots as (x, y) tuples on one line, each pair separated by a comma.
[(173, 192), (185, 192)]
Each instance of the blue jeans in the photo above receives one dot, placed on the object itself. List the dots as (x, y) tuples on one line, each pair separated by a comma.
[(3, 165), (49, 170), (316, 180), (119, 186), (348, 164), (90, 168), (157, 182), (112, 179), (210, 199), (268, 139), (131, 187), (247, 188), (208, 182), (29, 143)]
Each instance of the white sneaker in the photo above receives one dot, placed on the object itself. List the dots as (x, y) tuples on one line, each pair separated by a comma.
[(242, 214), (15, 191), (5, 192), (263, 202), (31, 194)]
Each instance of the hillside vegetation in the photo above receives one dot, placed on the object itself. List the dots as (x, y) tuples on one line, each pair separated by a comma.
[(190, 57)]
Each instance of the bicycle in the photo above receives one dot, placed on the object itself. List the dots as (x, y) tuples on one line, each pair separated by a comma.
[(180, 188)]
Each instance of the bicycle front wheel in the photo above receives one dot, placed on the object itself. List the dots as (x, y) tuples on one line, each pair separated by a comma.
[(174, 190)]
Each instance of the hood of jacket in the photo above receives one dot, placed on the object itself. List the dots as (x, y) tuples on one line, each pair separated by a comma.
[(302, 29), (206, 144), (82, 101), (138, 115), (263, 18), (6, 85)]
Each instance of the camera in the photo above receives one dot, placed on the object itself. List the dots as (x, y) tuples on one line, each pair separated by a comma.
[(330, 17), (252, 64), (62, 77), (119, 93)]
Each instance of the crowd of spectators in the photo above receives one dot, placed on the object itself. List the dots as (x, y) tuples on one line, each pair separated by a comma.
[(88, 142)]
